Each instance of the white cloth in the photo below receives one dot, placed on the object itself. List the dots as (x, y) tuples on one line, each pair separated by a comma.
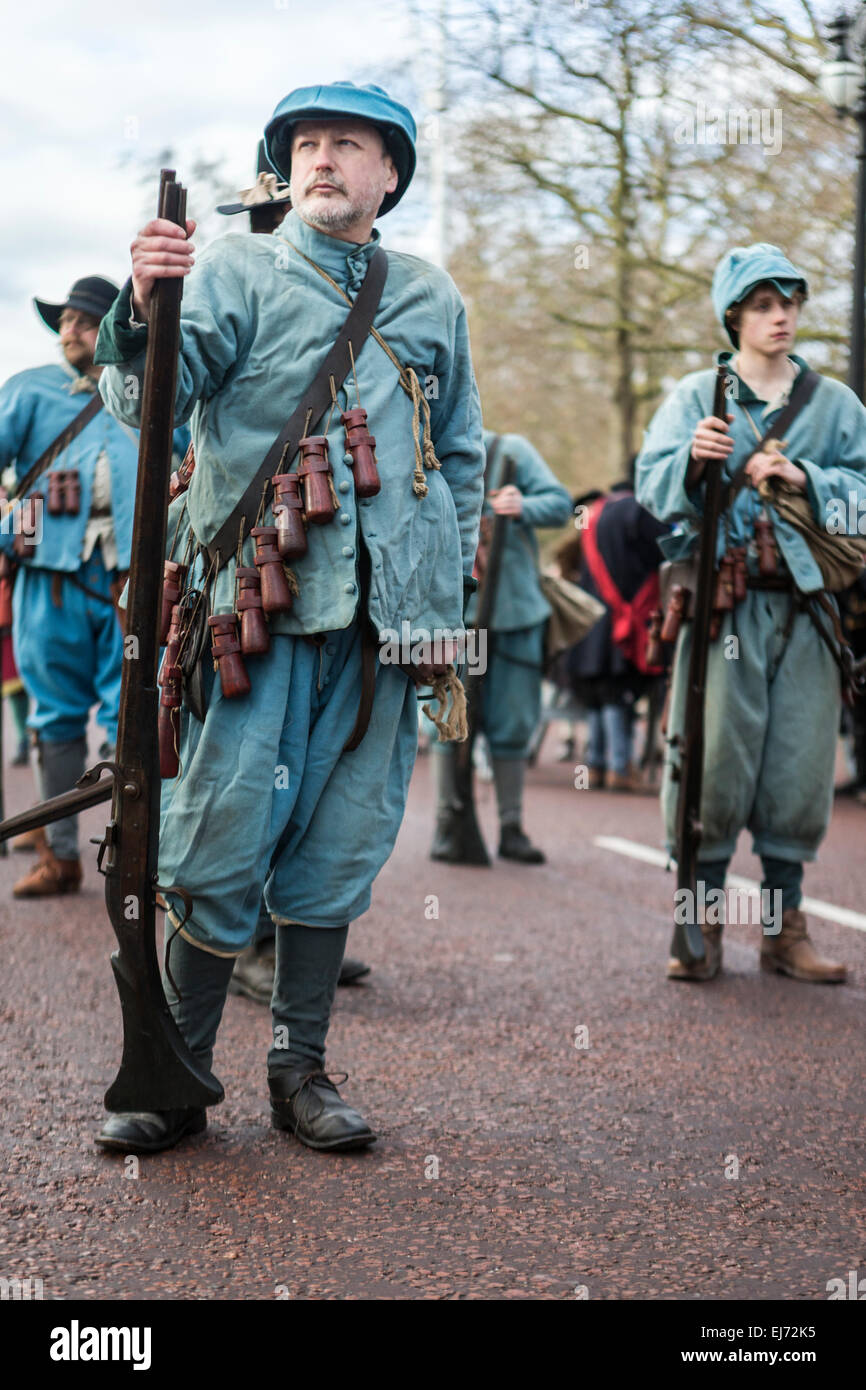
[(100, 526)]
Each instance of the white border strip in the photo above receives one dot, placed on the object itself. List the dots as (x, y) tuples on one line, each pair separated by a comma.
[(646, 854)]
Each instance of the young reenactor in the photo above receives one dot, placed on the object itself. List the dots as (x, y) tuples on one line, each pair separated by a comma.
[(773, 683)]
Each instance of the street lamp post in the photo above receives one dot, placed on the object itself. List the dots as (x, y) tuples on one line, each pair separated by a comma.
[(843, 82)]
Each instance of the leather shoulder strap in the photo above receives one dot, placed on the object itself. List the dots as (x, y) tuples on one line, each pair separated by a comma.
[(316, 399), (56, 447), (804, 389)]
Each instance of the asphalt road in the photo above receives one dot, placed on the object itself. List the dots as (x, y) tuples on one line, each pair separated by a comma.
[(556, 1120)]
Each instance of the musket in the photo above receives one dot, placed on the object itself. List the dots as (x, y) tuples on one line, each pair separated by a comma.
[(464, 822), (688, 942), (157, 1070)]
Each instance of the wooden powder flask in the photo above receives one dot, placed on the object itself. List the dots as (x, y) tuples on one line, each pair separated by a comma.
[(173, 580), (168, 720), (723, 598), (766, 547), (288, 509), (361, 445), (71, 492), (276, 594), (654, 653), (171, 642), (170, 698), (675, 613), (738, 554), (227, 658), (56, 500), (182, 476), (255, 637), (315, 470)]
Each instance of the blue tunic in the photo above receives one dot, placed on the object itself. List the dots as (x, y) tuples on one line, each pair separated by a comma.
[(770, 728), (69, 655), (317, 822), (256, 319)]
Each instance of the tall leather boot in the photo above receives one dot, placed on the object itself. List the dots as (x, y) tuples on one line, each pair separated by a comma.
[(57, 767), (793, 953), (508, 776), (304, 1098), (457, 839), (197, 1005)]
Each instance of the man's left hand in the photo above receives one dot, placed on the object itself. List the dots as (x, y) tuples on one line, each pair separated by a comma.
[(775, 465)]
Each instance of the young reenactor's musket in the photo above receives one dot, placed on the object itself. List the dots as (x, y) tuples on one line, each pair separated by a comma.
[(467, 830), (688, 942), (157, 1071)]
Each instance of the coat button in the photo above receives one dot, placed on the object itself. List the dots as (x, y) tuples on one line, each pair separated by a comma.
[(348, 551), (345, 518), (347, 458), (343, 485), (348, 588)]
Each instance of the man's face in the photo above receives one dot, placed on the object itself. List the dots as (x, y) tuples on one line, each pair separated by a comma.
[(768, 321), (341, 171), (78, 333)]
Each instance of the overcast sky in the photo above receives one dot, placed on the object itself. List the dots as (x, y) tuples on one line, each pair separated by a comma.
[(91, 92)]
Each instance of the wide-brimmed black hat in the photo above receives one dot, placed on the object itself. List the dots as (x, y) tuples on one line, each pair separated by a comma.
[(92, 295), (267, 191)]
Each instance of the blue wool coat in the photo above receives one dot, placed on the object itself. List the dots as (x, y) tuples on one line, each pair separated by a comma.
[(519, 600), (827, 440), (35, 405), (256, 321)]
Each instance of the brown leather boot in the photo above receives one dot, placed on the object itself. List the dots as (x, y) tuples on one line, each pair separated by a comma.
[(32, 841), (49, 877), (793, 953), (706, 969)]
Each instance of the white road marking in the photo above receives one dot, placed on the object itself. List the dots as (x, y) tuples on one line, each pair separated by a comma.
[(844, 916)]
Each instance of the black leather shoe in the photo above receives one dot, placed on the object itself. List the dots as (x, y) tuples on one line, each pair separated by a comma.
[(352, 970), (513, 844), (305, 1101), (147, 1132)]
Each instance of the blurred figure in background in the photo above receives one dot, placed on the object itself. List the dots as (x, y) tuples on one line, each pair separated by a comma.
[(615, 557), (511, 701)]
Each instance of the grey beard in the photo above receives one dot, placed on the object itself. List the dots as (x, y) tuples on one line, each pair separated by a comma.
[(339, 218)]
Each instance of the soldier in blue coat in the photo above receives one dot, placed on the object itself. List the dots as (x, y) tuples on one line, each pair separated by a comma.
[(515, 647), (267, 203), (68, 641), (268, 796), (772, 695)]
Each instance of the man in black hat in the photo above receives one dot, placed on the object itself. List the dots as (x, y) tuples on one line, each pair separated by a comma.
[(70, 532), (267, 202)]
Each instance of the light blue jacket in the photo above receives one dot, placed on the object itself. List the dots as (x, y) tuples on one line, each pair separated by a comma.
[(519, 600), (827, 440), (256, 322), (35, 406)]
